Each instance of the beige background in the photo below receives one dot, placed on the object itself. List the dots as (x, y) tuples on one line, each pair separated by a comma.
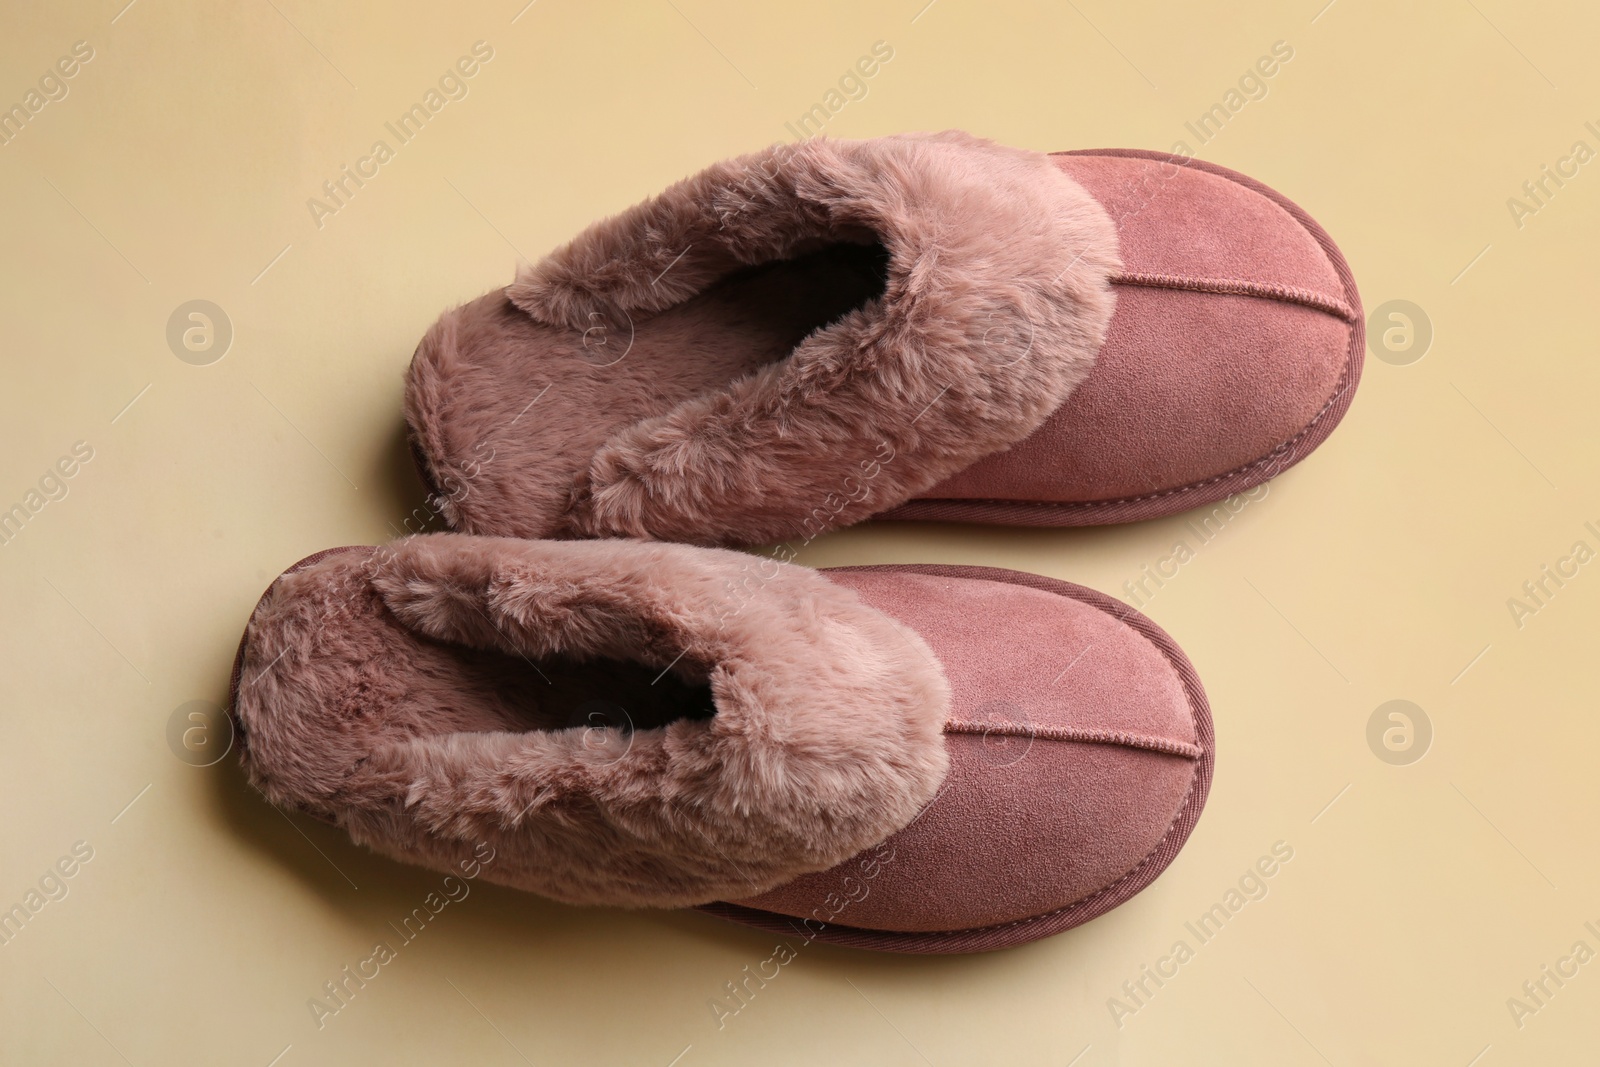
[(178, 167)]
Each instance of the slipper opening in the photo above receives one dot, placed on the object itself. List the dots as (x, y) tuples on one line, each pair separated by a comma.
[(554, 693)]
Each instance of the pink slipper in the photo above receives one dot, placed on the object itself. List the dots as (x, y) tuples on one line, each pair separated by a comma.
[(868, 756), (920, 326)]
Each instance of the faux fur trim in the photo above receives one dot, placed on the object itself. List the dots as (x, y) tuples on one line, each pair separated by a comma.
[(997, 299), (826, 738)]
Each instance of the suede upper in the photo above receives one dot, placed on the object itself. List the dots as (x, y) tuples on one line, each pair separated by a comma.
[(1081, 753), (1235, 349)]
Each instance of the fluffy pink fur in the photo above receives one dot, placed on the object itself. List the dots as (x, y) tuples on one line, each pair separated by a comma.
[(356, 704), (635, 383)]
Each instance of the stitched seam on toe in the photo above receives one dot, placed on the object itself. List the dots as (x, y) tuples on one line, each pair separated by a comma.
[(1288, 294), (1145, 742), (1196, 781), (1244, 468)]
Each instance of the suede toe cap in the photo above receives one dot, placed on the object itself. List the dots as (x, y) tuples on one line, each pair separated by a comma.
[(1234, 351), (1080, 747)]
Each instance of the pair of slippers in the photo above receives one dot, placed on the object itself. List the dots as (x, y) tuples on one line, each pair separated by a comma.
[(910, 758)]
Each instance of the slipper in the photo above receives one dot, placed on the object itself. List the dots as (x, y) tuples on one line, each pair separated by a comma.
[(922, 326), (866, 755)]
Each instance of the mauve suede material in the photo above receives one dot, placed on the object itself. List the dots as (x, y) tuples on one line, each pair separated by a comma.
[(1032, 832), (1199, 224), (1223, 397), (1234, 351), (1015, 654)]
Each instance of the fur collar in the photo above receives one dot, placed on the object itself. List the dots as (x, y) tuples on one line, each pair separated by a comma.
[(826, 739), (997, 299)]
